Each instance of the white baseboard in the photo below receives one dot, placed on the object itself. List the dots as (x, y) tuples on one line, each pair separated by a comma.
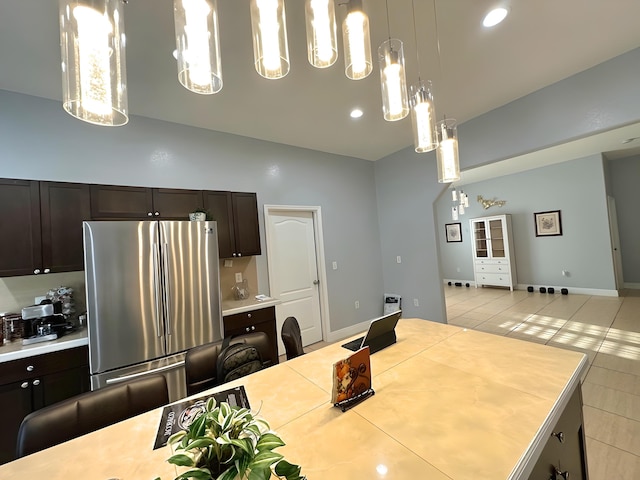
[(632, 286), (578, 290), (348, 331), (471, 283)]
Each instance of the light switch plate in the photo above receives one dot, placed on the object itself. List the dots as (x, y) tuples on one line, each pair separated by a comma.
[(238, 277)]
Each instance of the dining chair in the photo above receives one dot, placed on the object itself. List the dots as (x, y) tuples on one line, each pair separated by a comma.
[(292, 338), (200, 362), (90, 411)]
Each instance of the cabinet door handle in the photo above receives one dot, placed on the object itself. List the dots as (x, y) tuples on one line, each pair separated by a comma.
[(30, 368), (36, 382), (47, 270), (559, 436), (253, 328), (248, 315), (247, 329), (24, 384), (239, 254), (157, 214), (149, 214), (235, 255), (36, 271)]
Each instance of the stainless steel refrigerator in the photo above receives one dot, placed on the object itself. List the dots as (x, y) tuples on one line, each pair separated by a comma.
[(153, 292)]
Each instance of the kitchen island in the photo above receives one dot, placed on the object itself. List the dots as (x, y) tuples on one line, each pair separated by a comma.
[(449, 404)]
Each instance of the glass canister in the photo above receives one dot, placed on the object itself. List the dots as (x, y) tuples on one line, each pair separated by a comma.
[(13, 328)]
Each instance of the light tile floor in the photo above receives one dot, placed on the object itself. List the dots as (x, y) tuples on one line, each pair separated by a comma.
[(606, 329)]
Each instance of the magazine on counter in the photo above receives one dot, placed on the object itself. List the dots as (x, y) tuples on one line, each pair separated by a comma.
[(352, 378), (180, 415)]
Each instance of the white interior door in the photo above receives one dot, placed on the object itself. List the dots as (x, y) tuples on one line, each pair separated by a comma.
[(615, 242), (294, 273)]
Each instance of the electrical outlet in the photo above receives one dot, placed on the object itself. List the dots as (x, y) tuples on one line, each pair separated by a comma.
[(357, 304), (416, 303), (238, 277), (398, 259), (334, 265)]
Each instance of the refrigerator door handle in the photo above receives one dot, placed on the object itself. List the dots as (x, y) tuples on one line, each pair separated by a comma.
[(111, 381), (165, 289), (156, 287)]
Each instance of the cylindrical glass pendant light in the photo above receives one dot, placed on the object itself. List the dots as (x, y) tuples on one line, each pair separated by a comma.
[(395, 105), (447, 152), (269, 30), (423, 117), (198, 45), (322, 43), (92, 42), (357, 42)]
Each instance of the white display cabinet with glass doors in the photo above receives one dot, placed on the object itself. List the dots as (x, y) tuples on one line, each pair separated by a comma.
[(493, 256)]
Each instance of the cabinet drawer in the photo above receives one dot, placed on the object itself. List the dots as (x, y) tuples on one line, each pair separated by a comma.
[(491, 268), (493, 279), (246, 319), (38, 365), (492, 261)]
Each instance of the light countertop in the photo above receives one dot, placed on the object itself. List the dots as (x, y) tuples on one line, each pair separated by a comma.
[(231, 307), (450, 404), (15, 350)]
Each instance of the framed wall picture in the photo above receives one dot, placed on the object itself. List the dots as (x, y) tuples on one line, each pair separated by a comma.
[(548, 224), (454, 232)]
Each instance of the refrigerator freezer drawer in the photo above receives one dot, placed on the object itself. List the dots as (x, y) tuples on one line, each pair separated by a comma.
[(171, 367)]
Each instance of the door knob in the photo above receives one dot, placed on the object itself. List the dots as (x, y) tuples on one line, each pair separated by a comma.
[(316, 282)]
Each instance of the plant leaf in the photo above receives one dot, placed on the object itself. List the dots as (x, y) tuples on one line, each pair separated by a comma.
[(229, 474), (181, 459), (264, 459), (288, 470), (244, 444), (197, 473), (269, 441), (260, 474), (201, 442)]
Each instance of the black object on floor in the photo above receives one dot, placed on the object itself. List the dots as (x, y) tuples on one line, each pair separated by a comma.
[(551, 290), (467, 285), (529, 289), (564, 291), (449, 283), (543, 290), (458, 284)]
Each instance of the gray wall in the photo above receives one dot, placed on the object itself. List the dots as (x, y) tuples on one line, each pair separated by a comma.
[(372, 212), (38, 140), (624, 175), (598, 99), (577, 189)]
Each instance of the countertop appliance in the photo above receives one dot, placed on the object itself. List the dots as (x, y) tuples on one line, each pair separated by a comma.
[(42, 323), (153, 292)]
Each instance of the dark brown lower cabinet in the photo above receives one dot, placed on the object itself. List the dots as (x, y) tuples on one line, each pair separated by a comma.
[(31, 383), (564, 456), (260, 320)]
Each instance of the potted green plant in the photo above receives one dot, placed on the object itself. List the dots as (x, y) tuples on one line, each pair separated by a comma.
[(230, 443), (200, 214)]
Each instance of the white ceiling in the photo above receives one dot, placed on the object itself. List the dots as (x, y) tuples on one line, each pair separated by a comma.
[(540, 42)]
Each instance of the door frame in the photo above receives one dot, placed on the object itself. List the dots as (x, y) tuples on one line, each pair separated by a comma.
[(616, 253), (316, 213)]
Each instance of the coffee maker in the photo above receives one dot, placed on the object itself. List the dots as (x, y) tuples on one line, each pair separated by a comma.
[(43, 322)]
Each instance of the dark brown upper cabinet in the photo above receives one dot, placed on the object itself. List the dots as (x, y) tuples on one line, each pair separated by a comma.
[(42, 226), (236, 214), (111, 202)]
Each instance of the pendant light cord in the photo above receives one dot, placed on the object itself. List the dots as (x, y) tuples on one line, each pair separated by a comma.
[(386, 2), (415, 38), (435, 18)]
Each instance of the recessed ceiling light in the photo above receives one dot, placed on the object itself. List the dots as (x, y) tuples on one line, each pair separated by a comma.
[(495, 16), (356, 113)]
